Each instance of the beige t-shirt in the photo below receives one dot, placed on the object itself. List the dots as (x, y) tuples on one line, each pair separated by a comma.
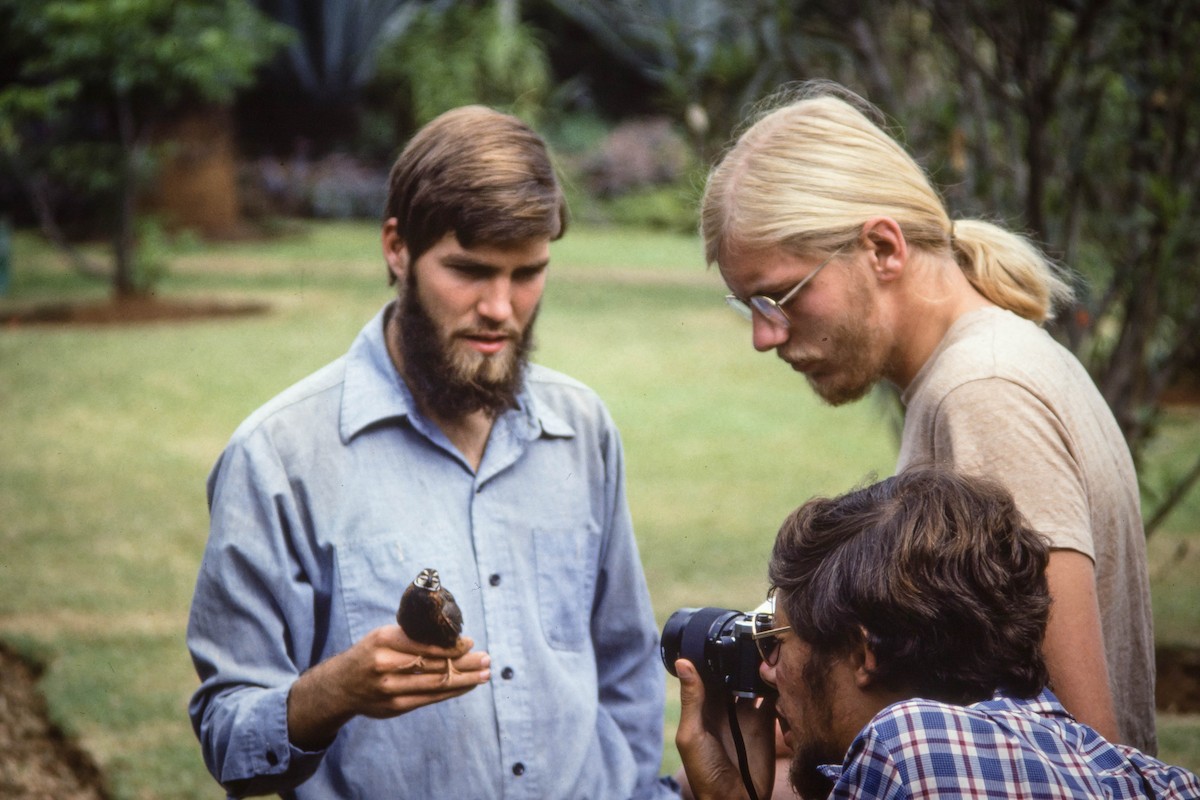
[(999, 397)]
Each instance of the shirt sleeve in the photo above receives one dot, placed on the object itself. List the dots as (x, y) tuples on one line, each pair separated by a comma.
[(632, 681), (999, 429), (251, 615)]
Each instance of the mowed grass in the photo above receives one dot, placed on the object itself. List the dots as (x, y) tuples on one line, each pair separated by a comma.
[(108, 434)]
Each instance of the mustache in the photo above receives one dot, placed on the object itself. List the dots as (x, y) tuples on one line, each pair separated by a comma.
[(498, 330)]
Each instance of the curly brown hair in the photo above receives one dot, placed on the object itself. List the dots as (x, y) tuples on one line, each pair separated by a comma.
[(939, 571)]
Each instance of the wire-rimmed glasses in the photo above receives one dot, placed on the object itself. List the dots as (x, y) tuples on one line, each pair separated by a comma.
[(772, 310), (767, 641)]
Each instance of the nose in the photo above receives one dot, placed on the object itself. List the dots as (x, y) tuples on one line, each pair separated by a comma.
[(767, 672), (767, 335), (495, 301)]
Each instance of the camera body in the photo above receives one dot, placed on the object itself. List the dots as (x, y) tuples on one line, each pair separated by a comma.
[(720, 643)]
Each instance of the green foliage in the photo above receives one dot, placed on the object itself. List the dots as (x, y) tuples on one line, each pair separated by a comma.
[(467, 53), (150, 259), (663, 208), (331, 54), (710, 59), (93, 77), (162, 52)]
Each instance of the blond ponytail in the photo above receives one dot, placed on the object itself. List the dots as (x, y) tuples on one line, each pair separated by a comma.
[(1009, 270)]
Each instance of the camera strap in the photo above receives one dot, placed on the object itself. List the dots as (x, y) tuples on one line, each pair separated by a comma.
[(740, 745)]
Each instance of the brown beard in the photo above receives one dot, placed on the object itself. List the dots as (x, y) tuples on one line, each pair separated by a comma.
[(855, 350), (808, 782), (443, 384)]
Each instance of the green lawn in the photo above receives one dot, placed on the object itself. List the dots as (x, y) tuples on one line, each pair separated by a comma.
[(108, 433)]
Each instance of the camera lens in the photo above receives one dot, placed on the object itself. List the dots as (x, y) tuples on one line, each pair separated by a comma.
[(720, 644), (687, 635)]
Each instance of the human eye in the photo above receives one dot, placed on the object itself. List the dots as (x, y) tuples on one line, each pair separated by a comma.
[(470, 270), (529, 274)]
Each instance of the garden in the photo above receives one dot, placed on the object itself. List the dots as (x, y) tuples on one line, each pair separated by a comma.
[(189, 199), (109, 432)]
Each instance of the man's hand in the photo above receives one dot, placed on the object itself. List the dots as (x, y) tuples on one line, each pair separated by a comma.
[(705, 742), (383, 675)]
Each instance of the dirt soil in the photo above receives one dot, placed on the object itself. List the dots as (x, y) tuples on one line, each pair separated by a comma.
[(37, 762), (127, 310)]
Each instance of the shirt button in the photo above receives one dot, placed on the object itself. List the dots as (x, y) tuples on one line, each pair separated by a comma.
[(507, 673), (518, 769), (272, 759), (494, 579)]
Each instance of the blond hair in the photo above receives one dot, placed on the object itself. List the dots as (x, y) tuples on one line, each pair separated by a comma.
[(807, 174)]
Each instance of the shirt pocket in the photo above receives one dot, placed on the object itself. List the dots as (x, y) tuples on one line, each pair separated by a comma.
[(567, 558), (375, 573)]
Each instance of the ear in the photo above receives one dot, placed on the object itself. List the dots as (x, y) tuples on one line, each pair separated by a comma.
[(862, 661), (886, 247), (394, 250)]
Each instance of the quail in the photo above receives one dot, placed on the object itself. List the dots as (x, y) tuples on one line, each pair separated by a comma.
[(428, 613)]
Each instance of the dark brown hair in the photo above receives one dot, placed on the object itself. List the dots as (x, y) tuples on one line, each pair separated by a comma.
[(941, 572), (483, 175)]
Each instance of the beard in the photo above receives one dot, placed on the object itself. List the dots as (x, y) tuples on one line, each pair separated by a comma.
[(453, 382), (855, 347), (811, 750), (806, 780), (858, 369)]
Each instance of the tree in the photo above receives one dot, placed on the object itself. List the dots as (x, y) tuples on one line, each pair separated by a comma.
[(92, 80), (1093, 105), (704, 55), (1077, 121), (497, 60)]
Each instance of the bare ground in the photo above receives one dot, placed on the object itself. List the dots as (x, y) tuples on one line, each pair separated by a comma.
[(37, 762)]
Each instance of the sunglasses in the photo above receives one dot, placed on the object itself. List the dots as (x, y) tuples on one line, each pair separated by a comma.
[(767, 640)]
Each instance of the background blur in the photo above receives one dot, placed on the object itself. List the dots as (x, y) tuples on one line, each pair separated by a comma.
[(189, 202)]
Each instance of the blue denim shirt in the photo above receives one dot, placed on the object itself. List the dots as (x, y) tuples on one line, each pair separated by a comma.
[(327, 503)]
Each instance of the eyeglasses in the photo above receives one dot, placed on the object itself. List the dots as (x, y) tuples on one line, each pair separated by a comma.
[(767, 641), (772, 310)]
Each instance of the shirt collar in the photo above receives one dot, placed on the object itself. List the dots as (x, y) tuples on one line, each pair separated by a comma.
[(374, 392), (1043, 704)]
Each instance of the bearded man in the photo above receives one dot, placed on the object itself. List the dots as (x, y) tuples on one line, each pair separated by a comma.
[(433, 443), (906, 648)]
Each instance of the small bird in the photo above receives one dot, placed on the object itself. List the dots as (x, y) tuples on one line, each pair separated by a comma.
[(429, 615)]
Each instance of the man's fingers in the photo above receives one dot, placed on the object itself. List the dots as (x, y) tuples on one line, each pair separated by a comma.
[(691, 702), (689, 679)]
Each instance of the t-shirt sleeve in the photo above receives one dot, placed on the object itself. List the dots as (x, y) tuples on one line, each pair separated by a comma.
[(999, 429)]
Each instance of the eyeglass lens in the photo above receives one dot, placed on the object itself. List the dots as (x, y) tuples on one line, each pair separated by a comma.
[(768, 646)]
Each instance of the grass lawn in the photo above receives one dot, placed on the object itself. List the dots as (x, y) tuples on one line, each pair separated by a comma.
[(108, 433)]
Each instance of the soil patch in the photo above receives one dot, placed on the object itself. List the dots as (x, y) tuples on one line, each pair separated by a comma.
[(128, 310), (36, 760), (1177, 685)]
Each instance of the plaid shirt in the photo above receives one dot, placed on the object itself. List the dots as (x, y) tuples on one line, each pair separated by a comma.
[(1001, 748)]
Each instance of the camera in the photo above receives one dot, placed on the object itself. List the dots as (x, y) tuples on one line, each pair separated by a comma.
[(720, 642)]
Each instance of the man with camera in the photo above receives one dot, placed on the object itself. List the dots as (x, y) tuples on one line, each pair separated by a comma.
[(905, 648), (433, 445)]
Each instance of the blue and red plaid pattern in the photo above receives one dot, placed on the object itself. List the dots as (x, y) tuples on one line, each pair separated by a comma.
[(1001, 748)]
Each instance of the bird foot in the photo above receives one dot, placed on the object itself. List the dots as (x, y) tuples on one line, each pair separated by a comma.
[(414, 667), (450, 670)]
